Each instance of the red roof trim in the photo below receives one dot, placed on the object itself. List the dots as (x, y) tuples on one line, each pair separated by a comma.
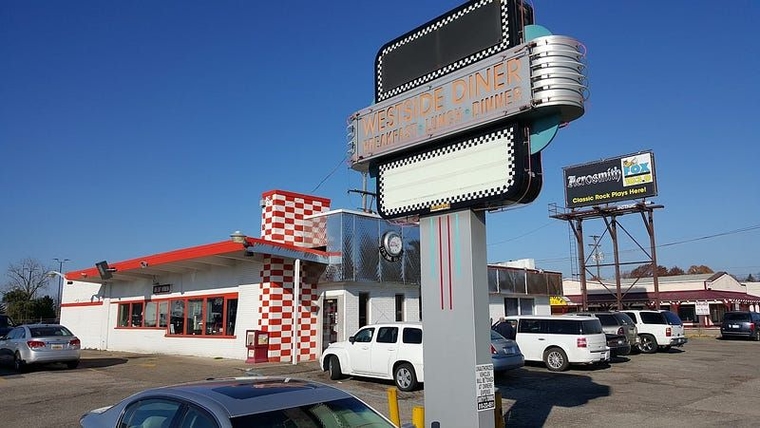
[(217, 248)]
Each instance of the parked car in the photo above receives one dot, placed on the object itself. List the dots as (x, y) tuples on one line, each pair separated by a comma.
[(394, 351), (616, 324), (6, 324), (740, 324), (658, 330), (238, 403), (560, 340), (505, 353), (33, 344)]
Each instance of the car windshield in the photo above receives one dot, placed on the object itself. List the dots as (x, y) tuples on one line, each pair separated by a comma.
[(607, 319), (623, 319), (496, 336), (591, 327), (49, 330), (346, 412), (653, 318), (672, 318), (736, 316)]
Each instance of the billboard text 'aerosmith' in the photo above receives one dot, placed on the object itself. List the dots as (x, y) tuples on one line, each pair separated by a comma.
[(617, 179)]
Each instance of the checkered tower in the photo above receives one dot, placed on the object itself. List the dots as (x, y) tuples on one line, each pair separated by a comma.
[(283, 220)]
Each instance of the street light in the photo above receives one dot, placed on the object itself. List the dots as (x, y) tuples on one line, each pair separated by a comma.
[(61, 277)]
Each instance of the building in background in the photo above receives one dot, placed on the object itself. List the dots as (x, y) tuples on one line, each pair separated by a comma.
[(681, 294)]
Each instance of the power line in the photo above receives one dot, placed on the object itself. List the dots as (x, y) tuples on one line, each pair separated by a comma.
[(670, 244), (342, 161), (523, 235)]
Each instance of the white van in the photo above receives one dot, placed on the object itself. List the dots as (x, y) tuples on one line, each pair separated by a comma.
[(559, 340)]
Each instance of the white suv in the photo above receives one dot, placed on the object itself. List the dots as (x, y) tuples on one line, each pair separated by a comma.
[(383, 351), (560, 340), (657, 329)]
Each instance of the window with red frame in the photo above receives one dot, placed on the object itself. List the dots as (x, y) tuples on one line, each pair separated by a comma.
[(192, 316)]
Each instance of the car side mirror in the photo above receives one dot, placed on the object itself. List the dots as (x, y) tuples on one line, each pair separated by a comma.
[(351, 339)]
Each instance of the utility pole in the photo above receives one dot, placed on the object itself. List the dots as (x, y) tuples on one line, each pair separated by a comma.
[(596, 255), (60, 284)]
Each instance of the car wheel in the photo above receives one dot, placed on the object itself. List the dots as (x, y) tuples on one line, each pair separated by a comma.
[(556, 360), (648, 344), (71, 365), (404, 377), (333, 366), (18, 363)]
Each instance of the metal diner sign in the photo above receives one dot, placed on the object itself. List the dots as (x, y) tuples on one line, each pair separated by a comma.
[(491, 90), (491, 168), (456, 39)]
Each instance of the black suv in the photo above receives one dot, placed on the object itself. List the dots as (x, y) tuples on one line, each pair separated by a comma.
[(740, 324), (6, 324)]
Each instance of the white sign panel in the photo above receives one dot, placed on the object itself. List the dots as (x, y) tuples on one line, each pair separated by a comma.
[(702, 308), (485, 392)]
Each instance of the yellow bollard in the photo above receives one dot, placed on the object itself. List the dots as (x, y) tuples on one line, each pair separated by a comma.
[(498, 411), (393, 406), (418, 416)]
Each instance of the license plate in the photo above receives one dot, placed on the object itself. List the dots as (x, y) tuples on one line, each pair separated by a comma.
[(56, 347), (734, 325)]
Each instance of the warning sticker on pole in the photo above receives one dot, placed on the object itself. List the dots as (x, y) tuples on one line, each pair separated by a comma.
[(484, 389)]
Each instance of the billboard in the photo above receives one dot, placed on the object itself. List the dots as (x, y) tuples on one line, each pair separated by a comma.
[(616, 179)]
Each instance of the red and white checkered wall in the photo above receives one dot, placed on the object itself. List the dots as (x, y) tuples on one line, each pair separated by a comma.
[(283, 221)]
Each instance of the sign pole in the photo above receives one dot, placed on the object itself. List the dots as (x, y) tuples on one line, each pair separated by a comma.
[(459, 380)]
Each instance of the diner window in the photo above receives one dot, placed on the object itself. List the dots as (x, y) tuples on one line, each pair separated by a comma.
[(177, 325), (163, 312), (123, 315), (201, 316), (214, 311), (231, 316), (137, 314), (130, 314), (195, 316), (151, 318)]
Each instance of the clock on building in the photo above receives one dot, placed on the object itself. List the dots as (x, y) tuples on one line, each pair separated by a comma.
[(391, 246)]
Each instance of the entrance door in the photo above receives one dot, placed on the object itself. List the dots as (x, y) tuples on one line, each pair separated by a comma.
[(329, 322)]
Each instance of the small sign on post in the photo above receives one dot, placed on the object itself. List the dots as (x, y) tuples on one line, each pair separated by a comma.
[(484, 378)]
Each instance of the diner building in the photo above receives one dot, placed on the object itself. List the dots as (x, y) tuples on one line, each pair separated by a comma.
[(314, 276)]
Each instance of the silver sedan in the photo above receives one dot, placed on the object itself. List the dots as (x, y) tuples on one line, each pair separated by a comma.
[(239, 403), (35, 344)]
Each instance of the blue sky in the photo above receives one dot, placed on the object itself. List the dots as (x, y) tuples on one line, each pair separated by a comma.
[(132, 128)]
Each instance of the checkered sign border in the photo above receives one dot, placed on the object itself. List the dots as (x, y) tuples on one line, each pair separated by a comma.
[(502, 46), (505, 135)]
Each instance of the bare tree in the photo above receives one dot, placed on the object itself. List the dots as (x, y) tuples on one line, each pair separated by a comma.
[(27, 276)]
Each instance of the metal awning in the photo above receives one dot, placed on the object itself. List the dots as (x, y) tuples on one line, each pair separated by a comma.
[(199, 258)]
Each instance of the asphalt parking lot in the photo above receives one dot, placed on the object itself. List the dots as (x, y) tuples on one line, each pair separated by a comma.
[(708, 382)]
